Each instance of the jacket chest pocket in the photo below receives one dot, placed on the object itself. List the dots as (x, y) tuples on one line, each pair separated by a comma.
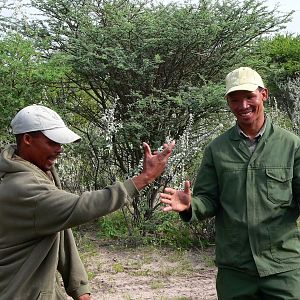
[(279, 185)]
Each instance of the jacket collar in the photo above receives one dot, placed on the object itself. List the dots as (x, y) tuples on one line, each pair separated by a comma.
[(10, 163), (235, 135)]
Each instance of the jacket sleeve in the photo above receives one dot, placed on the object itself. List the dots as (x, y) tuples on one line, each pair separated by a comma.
[(296, 176), (70, 266), (205, 198), (57, 210)]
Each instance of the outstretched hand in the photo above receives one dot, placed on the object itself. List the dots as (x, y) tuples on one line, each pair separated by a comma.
[(154, 164), (177, 200)]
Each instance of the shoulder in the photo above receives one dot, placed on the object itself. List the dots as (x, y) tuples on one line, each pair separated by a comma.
[(26, 184), (224, 138), (285, 135)]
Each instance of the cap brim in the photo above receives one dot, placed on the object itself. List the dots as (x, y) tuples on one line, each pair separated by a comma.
[(243, 87), (61, 135)]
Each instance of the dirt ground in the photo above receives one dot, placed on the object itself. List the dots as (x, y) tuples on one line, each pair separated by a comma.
[(149, 273)]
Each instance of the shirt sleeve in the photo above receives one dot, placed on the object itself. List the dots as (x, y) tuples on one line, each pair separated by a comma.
[(205, 198)]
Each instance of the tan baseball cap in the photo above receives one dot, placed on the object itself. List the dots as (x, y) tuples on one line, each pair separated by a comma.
[(243, 79), (41, 118)]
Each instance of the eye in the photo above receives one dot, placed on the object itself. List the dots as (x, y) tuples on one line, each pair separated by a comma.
[(251, 97), (52, 143)]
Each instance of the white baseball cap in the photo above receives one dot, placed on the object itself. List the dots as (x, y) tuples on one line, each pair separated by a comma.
[(243, 79), (41, 118)]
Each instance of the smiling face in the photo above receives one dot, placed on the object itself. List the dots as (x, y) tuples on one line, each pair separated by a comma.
[(248, 108), (39, 150)]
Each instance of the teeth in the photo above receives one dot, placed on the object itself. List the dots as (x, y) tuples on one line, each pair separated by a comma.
[(245, 114)]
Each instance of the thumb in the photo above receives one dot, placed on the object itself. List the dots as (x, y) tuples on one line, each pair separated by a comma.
[(147, 150), (187, 187)]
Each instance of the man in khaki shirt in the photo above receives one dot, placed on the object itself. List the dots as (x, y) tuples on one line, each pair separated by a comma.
[(249, 179)]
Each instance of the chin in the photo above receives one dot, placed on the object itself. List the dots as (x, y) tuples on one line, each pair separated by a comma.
[(46, 168), (245, 122)]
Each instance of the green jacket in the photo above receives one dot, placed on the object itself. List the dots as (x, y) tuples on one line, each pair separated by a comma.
[(35, 239), (255, 199)]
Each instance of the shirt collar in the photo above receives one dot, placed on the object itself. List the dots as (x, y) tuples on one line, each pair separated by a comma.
[(258, 135)]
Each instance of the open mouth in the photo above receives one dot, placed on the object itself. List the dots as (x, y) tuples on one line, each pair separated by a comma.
[(52, 159), (246, 114)]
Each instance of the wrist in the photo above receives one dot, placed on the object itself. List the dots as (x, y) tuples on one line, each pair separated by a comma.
[(141, 181)]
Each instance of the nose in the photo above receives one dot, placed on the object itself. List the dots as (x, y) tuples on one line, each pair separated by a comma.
[(244, 103), (58, 148)]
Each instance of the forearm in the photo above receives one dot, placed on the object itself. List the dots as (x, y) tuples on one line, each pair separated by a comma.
[(203, 208)]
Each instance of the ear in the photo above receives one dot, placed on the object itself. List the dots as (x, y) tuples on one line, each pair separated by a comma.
[(27, 139), (265, 94)]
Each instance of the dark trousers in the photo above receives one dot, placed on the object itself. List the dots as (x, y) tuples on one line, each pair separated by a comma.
[(236, 285)]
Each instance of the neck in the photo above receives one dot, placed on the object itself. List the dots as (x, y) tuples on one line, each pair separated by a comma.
[(252, 130)]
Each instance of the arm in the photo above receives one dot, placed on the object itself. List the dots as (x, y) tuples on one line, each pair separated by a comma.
[(205, 199), (56, 210)]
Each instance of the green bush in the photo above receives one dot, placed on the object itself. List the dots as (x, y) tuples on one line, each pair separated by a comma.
[(113, 226), (161, 230)]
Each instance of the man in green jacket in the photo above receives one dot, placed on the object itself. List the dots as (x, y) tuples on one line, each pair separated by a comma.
[(249, 179), (36, 215)]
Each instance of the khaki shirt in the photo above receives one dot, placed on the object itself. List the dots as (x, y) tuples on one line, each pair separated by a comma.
[(255, 198)]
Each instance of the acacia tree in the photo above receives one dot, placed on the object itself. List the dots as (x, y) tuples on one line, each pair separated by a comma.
[(140, 69)]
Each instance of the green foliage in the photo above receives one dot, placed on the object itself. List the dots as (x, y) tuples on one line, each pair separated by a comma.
[(123, 72), (113, 226), (17, 61), (148, 57), (137, 71), (162, 230), (24, 76), (283, 52), (168, 230), (282, 56)]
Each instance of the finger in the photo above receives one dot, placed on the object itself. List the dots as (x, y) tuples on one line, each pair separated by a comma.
[(167, 208), (168, 148), (164, 195), (187, 186), (169, 190), (172, 144), (147, 150), (165, 201)]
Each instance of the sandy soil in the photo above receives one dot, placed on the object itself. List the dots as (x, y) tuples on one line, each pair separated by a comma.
[(150, 273)]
